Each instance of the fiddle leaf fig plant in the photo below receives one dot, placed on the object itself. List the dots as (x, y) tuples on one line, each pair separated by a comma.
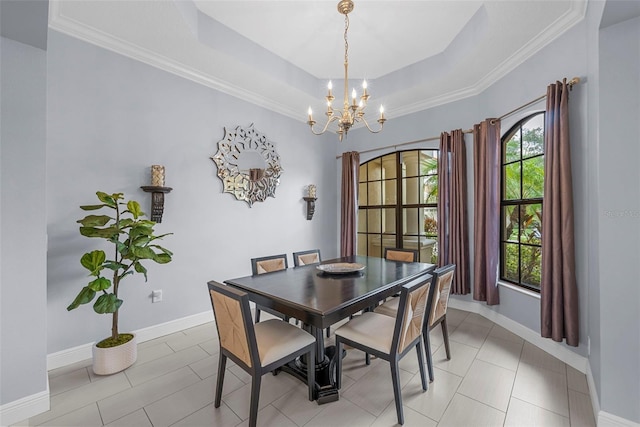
[(133, 242)]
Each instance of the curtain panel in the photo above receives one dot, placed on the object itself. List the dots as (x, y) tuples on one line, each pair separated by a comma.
[(349, 202), (559, 293), (453, 229), (486, 247)]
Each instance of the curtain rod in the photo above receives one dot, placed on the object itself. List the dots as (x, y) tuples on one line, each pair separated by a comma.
[(571, 82)]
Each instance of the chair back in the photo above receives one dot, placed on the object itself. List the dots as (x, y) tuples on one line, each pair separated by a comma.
[(268, 264), (306, 257), (234, 324), (411, 313), (403, 255), (443, 278)]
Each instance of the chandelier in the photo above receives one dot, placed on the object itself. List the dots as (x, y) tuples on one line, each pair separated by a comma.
[(352, 112)]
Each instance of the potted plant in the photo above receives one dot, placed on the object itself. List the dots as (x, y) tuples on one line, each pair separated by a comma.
[(133, 242)]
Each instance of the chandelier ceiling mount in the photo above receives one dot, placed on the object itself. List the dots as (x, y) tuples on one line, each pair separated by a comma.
[(352, 112)]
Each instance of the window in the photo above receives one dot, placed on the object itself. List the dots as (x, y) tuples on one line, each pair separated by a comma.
[(521, 202), (397, 204)]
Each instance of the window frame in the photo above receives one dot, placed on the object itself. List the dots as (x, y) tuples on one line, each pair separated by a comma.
[(399, 204), (518, 203)]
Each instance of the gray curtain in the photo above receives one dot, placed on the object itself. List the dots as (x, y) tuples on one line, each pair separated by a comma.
[(349, 202), (559, 293), (486, 249), (453, 229)]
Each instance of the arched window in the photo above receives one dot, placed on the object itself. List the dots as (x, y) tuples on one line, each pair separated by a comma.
[(521, 202), (397, 204)]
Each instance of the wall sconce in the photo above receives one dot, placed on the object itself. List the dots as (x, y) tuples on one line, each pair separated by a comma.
[(311, 201), (157, 190)]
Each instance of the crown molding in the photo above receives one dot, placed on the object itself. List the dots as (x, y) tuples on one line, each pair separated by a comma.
[(73, 28), (91, 35)]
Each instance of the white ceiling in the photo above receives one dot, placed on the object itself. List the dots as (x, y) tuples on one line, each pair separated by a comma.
[(280, 54)]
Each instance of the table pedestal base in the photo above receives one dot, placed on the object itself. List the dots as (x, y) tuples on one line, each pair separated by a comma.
[(325, 387)]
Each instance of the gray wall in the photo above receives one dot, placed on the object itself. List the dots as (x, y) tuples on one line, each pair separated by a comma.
[(23, 304), (110, 118), (565, 57), (619, 218)]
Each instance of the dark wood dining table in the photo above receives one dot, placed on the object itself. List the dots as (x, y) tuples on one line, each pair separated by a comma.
[(319, 300)]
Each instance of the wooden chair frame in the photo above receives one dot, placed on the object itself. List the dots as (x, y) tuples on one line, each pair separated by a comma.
[(410, 251), (254, 272), (442, 320), (296, 255), (394, 356), (256, 370)]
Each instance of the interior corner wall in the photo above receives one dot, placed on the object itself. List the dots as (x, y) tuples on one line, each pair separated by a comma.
[(564, 57), (110, 118), (619, 218), (23, 300)]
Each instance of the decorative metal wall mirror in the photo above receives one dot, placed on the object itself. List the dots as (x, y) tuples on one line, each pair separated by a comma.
[(248, 164)]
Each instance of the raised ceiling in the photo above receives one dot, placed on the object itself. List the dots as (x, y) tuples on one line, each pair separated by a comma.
[(280, 54)]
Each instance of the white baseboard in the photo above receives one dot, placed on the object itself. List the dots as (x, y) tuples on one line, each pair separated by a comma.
[(83, 352), (606, 419), (27, 407), (557, 350)]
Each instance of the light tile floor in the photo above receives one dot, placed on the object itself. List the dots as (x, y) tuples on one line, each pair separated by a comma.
[(493, 379)]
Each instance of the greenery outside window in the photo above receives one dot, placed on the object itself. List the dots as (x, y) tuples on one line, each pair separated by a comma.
[(398, 204), (522, 179)]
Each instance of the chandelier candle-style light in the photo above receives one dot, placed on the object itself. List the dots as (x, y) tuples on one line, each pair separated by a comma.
[(352, 112)]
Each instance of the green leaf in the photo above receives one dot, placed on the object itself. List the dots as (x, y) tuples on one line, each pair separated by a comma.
[(84, 296), (105, 233), (162, 258), (93, 260), (140, 269), (112, 265), (107, 303), (134, 208), (109, 200), (144, 252), (160, 248), (100, 284), (92, 207), (94, 220)]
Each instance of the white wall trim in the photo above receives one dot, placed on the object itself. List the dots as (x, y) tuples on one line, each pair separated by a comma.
[(27, 407), (83, 352), (555, 349), (606, 419)]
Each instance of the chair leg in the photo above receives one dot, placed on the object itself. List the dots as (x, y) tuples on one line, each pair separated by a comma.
[(427, 350), (255, 397), (222, 363), (423, 377), (311, 372), (367, 358), (328, 331), (445, 335), (395, 377), (257, 315), (338, 359)]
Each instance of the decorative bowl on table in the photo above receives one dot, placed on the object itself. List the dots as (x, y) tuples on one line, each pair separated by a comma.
[(340, 268)]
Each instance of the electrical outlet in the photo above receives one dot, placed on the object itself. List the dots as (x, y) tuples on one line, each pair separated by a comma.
[(156, 296)]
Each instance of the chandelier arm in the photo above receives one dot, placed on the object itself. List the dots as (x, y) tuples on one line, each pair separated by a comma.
[(381, 121), (326, 125)]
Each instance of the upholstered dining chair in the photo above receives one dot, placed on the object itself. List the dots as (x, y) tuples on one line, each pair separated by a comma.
[(437, 307), (306, 257), (401, 254), (269, 264), (390, 338), (258, 348)]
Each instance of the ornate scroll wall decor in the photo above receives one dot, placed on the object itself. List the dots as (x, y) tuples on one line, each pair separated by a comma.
[(248, 164)]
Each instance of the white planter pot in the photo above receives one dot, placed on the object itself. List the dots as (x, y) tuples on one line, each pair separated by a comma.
[(107, 361)]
